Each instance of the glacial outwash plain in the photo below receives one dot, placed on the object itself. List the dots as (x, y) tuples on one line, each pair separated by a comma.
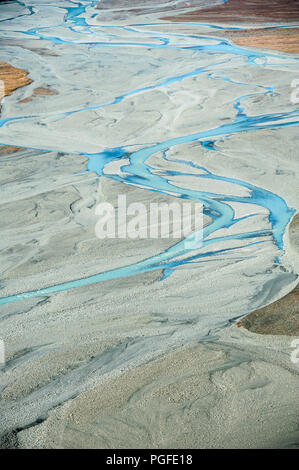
[(143, 343)]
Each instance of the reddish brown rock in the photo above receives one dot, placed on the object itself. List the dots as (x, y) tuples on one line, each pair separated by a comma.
[(40, 91), (25, 100), (7, 149), (12, 77), (44, 91)]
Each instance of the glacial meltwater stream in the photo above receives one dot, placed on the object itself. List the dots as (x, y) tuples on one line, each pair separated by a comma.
[(74, 25), (124, 342)]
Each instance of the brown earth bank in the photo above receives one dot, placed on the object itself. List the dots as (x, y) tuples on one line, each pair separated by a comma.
[(46, 90), (248, 11), (7, 149), (281, 39), (233, 11), (279, 318), (40, 91), (12, 77)]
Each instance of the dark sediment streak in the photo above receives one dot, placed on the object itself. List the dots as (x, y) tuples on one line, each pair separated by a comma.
[(279, 318)]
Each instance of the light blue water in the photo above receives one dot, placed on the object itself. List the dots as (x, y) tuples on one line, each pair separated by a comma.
[(139, 172)]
